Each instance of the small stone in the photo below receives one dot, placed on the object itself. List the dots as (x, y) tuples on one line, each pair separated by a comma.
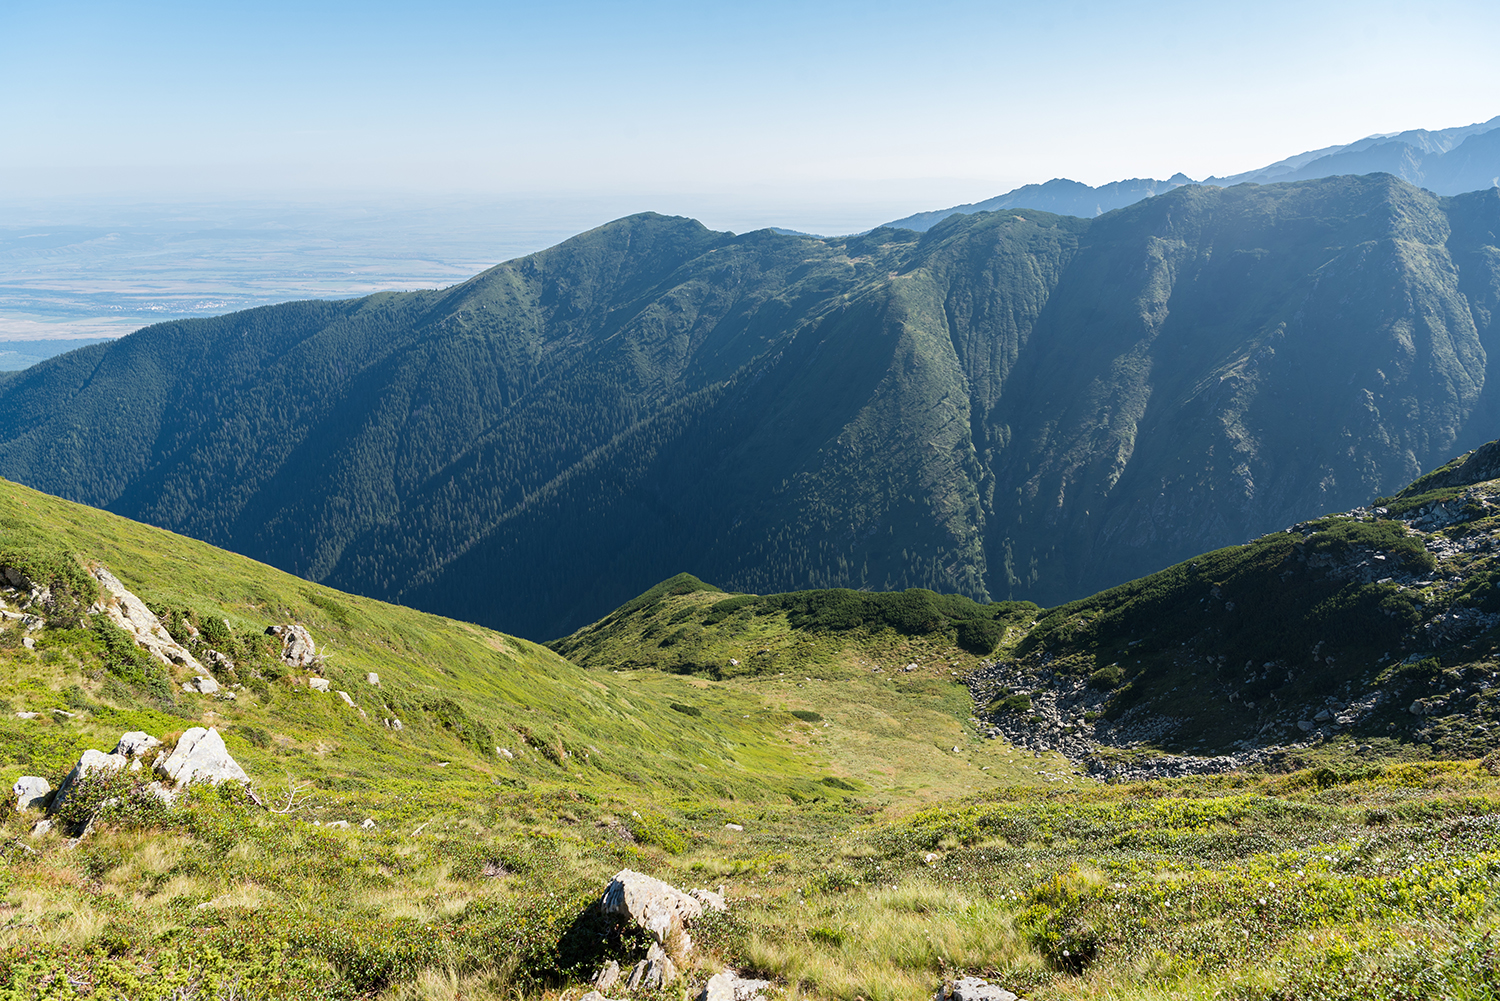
[(28, 642), (504, 752), (339, 823), (318, 684), (27, 715), (607, 976), (709, 899), (205, 685), (368, 823), (372, 678), (40, 827), (347, 700), (974, 989), (733, 827), (730, 986), (136, 743), (1306, 725)]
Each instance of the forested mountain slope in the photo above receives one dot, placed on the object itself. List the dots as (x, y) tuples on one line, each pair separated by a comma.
[(1010, 405)]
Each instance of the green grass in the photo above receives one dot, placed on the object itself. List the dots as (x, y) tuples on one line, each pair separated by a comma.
[(882, 845)]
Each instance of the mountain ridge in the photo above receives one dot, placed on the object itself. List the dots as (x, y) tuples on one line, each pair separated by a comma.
[(1448, 161), (1012, 405)]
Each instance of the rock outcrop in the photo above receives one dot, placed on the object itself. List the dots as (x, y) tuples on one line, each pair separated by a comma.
[(91, 762), (200, 756), (658, 907), (131, 614), (297, 647), (662, 910)]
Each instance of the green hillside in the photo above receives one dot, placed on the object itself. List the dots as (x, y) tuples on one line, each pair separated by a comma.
[(1012, 405), (882, 844)]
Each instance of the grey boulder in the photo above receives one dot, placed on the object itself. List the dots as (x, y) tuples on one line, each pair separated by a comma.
[(658, 907), (974, 989), (297, 648), (31, 792), (91, 762), (200, 756)]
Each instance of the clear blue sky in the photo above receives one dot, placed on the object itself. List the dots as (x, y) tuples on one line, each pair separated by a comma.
[(769, 106)]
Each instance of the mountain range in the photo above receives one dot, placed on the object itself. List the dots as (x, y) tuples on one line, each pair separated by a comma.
[(1446, 161), (1012, 404)]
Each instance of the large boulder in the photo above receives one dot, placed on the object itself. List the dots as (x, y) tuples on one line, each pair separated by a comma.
[(660, 908), (131, 614), (91, 762), (200, 756), (31, 792), (297, 648)]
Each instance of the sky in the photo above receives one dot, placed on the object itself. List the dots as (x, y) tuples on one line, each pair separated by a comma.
[(814, 115)]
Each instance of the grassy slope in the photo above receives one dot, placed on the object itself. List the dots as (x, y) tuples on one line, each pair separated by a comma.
[(1328, 884)]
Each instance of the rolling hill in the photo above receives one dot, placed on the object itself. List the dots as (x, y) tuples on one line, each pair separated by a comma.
[(1012, 405)]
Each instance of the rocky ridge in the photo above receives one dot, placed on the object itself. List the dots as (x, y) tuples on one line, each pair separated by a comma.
[(1440, 681)]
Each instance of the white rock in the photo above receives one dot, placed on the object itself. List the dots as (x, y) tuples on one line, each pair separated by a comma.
[(504, 752), (28, 642), (396, 724), (658, 907), (136, 743), (297, 647), (367, 823), (606, 978), (372, 678), (205, 684), (730, 986), (91, 762), (40, 827), (347, 700), (27, 715), (318, 684), (709, 899), (31, 792), (655, 971), (974, 989), (131, 614), (733, 827), (200, 756), (930, 858), (339, 823)]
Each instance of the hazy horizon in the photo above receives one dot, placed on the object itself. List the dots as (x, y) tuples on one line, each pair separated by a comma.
[(186, 159)]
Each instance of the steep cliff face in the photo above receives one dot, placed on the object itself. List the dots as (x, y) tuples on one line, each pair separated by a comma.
[(1011, 404)]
